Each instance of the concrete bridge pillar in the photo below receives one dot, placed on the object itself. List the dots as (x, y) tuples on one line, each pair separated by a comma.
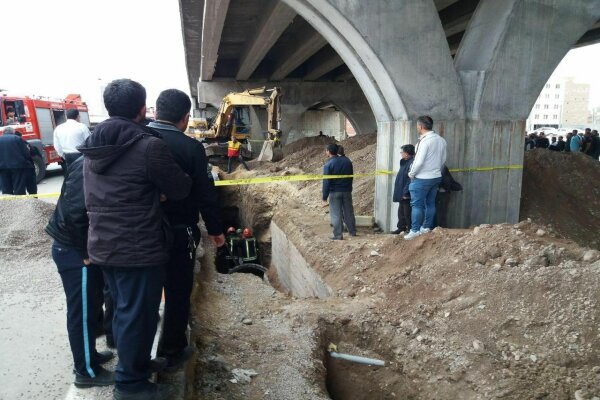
[(399, 55)]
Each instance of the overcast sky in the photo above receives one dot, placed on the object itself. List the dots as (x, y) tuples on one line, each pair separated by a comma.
[(66, 46)]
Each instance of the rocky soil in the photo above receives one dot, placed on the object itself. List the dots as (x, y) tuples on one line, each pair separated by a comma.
[(563, 191), (503, 311)]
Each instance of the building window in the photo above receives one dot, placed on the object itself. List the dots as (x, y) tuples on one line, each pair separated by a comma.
[(537, 116), (537, 106), (555, 116), (547, 96), (547, 86), (558, 85), (557, 96), (556, 106), (546, 106), (545, 116)]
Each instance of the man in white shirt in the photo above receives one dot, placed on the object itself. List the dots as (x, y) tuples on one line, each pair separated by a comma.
[(69, 135), (426, 175)]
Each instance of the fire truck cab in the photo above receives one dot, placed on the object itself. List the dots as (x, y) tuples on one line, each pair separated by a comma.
[(36, 118)]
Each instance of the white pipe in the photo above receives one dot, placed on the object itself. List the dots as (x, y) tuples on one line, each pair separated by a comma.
[(357, 359)]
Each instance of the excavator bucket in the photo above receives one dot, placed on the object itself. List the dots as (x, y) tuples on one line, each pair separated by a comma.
[(270, 152)]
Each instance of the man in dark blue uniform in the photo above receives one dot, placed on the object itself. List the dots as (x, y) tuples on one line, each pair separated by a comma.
[(68, 226), (15, 163), (172, 116)]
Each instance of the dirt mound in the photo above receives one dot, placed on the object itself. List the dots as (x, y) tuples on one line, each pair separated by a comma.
[(22, 232), (312, 141), (308, 156), (507, 311), (504, 311), (563, 190)]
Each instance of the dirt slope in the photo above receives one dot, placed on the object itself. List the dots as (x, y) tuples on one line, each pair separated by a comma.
[(563, 190), (504, 311)]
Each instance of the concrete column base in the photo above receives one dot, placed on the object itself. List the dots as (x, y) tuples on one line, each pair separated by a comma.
[(488, 196)]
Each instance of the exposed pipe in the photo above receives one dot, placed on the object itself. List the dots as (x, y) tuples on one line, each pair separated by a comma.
[(357, 359)]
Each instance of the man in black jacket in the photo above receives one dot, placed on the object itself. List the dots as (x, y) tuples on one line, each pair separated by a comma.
[(339, 192), (128, 169), (172, 114), (68, 226)]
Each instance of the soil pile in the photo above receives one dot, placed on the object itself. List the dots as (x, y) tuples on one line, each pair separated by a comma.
[(503, 311), (318, 141), (563, 190), (22, 232)]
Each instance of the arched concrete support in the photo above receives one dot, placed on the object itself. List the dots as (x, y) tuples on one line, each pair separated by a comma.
[(509, 51), (297, 97), (398, 53)]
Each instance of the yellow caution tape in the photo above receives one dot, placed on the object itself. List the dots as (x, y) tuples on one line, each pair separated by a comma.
[(29, 196), (294, 178), (486, 168), (290, 178)]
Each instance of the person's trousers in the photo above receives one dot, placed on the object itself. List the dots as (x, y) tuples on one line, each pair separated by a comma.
[(31, 181), (404, 216), (341, 211), (442, 201), (79, 283), (179, 280), (136, 292), (103, 315), (422, 201), (14, 180), (240, 159), (67, 160)]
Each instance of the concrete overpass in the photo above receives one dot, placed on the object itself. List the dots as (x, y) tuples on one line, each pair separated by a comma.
[(475, 66)]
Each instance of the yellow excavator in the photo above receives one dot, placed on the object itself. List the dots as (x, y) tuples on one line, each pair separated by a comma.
[(226, 123)]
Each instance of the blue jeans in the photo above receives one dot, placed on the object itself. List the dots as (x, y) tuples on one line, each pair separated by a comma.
[(422, 201)]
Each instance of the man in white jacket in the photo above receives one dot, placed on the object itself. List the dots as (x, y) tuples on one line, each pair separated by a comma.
[(426, 175)]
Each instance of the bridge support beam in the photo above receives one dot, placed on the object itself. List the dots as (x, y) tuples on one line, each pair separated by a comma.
[(399, 55)]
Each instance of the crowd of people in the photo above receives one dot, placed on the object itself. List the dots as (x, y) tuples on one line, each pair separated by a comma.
[(422, 187), (587, 142), (126, 227)]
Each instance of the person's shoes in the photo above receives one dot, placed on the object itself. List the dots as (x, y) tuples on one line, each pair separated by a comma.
[(153, 392), (411, 235), (110, 342), (176, 362), (103, 378), (102, 357), (335, 238), (158, 364), (353, 234), (396, 232), (424, 230)]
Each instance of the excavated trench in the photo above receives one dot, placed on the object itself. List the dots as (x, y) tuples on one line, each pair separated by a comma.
[(297, 282)]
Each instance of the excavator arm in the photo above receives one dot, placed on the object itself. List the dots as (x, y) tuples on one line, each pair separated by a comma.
[(221, 128)]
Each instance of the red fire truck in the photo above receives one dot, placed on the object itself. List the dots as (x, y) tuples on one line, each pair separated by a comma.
[(37, 118)]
